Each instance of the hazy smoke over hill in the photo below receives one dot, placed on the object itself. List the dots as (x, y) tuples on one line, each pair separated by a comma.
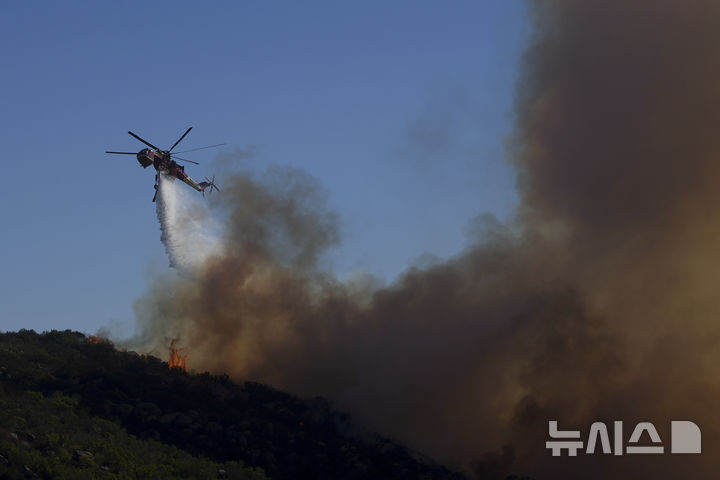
[(599, 302)]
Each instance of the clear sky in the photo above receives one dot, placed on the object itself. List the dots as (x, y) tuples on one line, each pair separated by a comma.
[(400, 110)]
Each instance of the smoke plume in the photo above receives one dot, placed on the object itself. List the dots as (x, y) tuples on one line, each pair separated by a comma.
[(598, 302)]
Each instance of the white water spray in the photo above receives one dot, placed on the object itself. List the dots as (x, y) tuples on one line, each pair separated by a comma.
[(189, 232)]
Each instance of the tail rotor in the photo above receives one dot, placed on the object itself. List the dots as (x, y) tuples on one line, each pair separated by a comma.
[(209, 183)]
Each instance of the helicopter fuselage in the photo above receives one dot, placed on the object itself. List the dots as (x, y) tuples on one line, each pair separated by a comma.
[(164, 164)]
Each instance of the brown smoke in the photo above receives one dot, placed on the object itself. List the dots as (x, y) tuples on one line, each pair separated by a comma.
[(598, 303)]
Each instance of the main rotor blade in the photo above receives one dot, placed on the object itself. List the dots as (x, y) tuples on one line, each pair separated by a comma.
[(183, 136), (123, 153), (144, 141), (185, 160), (202, 148)]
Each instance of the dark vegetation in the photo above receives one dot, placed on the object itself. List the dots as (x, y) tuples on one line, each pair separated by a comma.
[(75, 409)]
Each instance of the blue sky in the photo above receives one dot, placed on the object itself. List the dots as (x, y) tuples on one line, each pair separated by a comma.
[(399, 109)]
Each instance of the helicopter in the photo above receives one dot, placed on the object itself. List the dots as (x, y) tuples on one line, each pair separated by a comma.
[(164, 162)]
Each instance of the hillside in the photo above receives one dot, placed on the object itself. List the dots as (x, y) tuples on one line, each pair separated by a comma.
[(77, 409)]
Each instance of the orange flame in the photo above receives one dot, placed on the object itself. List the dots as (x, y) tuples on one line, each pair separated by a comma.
[(176, 358), (96, 339)]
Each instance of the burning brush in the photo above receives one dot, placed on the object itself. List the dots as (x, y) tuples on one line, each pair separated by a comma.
[(177, 359)]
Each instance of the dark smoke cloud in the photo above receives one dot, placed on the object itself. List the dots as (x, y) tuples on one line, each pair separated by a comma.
[(599, 301)]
